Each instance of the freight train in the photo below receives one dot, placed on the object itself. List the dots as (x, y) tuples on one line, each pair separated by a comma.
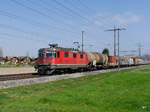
[(60, 59)]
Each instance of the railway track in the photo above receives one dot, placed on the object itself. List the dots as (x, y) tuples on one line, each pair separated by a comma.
[(18, 76), (35, 75)]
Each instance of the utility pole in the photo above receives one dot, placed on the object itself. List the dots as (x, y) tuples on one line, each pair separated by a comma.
[(119, 29), (140, 49), (82, 41), (114, 30)]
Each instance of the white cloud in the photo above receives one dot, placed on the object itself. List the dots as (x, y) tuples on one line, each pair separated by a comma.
[(119, 19), (126, 18), (103, 20)]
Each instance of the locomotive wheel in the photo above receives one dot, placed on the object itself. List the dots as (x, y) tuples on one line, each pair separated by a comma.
[(41, 72), (46, 72), (49, 72)]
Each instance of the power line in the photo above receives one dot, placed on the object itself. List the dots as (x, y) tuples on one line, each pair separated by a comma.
[(104, 20), (42, 14), (65, 8), (55, 8), (87, 7), (59, 10), (33, 22), (30, 8), (37, 34), (24, 37), (79, 11), (76, 8), (35, 11), (10, 15), (34, 34), (48, 10), (72, 11)]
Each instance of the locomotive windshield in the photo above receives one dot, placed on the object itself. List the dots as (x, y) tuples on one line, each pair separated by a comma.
[(50, 54), (41, 53), (46, 53)]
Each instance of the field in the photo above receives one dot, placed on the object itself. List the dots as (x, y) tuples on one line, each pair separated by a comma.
[(8, 66), (124, 91)]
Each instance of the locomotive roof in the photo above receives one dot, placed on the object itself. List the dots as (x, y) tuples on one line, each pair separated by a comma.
[(61, 49)]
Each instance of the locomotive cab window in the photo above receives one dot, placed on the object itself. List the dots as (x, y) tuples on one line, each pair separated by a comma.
[(58, 54), (74, 55), (66, 54), (41, 54), (50, 54), (81, 56)]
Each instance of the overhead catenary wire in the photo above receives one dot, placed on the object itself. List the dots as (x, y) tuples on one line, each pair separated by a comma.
[(57, 3), (26, 32), (104, 20), (43, 14), (43, 2), (89, 23), (72, 11), (75, 6), (57, 11), (32, 33), (38, 12), (24, 37), (48, 10), (32, 22), (87, 7), (34, 36)]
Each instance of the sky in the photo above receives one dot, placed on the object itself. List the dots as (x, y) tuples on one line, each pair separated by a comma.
[(28, 25)]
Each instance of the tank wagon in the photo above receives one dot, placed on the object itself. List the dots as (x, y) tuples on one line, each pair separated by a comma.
[(97, 59), (68, 59)]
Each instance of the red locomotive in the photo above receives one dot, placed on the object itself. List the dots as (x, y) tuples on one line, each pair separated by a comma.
[(58, 58)]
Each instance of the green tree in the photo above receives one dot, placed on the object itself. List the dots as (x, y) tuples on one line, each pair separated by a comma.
[(106, 51)]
